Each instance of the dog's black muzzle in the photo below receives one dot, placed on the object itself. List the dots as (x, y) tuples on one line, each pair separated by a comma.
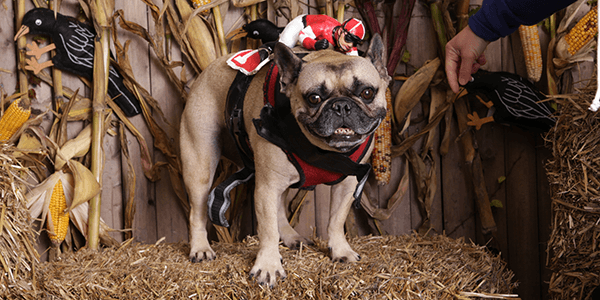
[(343, 112)]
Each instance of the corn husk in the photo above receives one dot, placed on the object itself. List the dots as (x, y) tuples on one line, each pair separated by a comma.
[(38, 201), (244, 3), (411, 91), (563, 60), (73, 148), (86, 185), (199, 38)]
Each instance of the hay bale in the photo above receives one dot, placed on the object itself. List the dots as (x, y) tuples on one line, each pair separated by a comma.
[(574, 175), (18, 256), (392, 267)]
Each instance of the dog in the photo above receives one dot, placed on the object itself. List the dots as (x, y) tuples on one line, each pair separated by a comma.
[(334, 104)]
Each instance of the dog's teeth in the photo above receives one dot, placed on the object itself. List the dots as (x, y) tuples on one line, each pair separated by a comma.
[(344, 131)]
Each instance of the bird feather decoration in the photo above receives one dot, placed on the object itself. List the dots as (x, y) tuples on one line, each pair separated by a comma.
[(74, 43), (513, 100)]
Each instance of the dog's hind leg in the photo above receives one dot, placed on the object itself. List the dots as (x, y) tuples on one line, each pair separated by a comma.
[(200, 154), (288, 234), (341, 201)]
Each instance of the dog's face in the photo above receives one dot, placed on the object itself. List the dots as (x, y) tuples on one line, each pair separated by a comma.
[(337, 99)]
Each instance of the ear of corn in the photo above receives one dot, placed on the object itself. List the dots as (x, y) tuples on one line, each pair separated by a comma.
[(200, 43), (198, 3), (14, 117), (58, 223), (583, 32), (532, 51), (382, 154)]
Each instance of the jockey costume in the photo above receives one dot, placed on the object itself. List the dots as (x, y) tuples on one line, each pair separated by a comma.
[(310, 29), (314, 32)]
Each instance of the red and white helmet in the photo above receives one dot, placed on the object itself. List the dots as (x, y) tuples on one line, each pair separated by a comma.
[(356, 28)]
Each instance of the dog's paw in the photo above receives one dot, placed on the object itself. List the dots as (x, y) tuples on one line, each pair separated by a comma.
[(266, 270), (202, 253), (343, 255), (293, 241)]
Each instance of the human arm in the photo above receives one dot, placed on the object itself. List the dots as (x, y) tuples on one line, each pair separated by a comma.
[(464, 56), (500, 18), (495, 19)]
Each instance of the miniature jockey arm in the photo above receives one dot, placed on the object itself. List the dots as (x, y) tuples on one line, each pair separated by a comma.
[(309, 40)]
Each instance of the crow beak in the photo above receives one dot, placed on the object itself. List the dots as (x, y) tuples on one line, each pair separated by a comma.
[(23, 31), (237, 34)]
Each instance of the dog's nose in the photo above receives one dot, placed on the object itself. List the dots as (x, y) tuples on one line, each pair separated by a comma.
[(341, 107)]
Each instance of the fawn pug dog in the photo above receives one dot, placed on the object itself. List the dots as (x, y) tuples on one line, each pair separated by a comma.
[(334, 104)]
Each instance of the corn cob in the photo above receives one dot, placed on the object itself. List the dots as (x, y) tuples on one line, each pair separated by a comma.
[(59, 218), (583, 32), (198, 3), (13, 119), (532, 51), (382, 153)]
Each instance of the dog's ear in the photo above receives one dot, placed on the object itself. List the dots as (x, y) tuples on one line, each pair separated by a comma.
[(289, 66), (377, 55)]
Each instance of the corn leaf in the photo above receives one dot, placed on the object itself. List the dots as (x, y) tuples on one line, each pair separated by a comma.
[(86, 185), (411, 91), (76, 147)]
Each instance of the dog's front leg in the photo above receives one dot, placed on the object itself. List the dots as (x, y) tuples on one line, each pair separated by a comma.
[(341, 201), (268, 191)]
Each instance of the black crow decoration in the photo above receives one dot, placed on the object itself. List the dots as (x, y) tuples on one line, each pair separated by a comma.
[(260, 29), (74, 43), (512, 100)]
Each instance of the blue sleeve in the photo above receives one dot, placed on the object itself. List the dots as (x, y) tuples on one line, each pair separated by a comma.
[(499, 18)]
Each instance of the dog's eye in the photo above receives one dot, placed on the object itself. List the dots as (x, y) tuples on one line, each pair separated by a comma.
[(367, 94), (314, 99)]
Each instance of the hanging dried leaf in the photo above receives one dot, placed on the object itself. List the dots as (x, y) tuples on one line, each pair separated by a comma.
[(129, 180), (411, 91), (30, 144), (198, 38), (156, 44), (149, 169), (86, 185), (385, 213), (73, 148)]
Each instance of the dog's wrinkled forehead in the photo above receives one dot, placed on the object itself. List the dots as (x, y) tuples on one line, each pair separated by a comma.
[(338, 72)]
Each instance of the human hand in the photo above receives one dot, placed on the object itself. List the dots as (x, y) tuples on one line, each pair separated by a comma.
[(321, 44), (464, 56)]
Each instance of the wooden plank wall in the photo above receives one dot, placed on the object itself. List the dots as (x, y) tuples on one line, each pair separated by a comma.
[(523, 222)]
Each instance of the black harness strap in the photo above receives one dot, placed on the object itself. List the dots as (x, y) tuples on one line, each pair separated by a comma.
[(219, 199)]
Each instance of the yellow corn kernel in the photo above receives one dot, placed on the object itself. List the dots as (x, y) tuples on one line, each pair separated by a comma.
[(58, 216), (14, 117), (198, 3), (532, 51), (583, 32), (382, 152)]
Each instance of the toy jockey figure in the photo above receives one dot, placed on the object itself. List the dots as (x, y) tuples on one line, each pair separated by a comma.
[(314, 32)]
